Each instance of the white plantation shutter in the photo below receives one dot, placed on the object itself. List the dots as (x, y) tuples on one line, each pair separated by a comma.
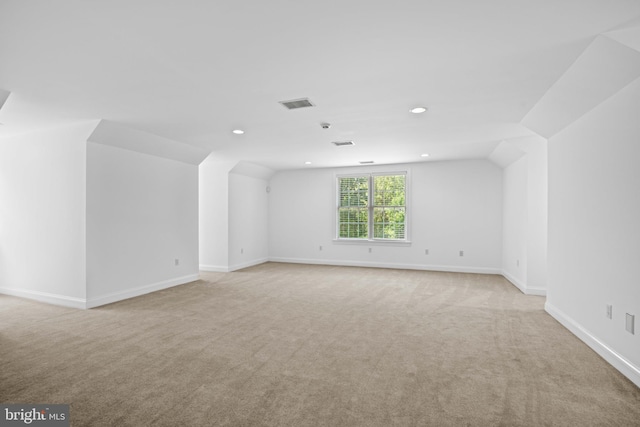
[(353, 207)]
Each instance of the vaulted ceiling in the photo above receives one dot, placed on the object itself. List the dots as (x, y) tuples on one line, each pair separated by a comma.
[(192, 71)]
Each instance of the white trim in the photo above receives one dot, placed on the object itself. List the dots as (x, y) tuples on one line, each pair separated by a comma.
[(523, 287), (140, 290), (248, 264), (398, 266), (46, 297), (515, 282), (372, 242), (618, 361), (536, 291), (228, 269), (214, 268)]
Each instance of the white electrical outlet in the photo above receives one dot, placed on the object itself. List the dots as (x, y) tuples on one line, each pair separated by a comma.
[(630, 323), (609, 311), (461, 253)]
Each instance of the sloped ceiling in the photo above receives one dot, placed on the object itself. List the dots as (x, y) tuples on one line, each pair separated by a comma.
[(192, 71), (604, 68), (252, 170), (115, 135), (628, 34), (4, 94), (505, 153)]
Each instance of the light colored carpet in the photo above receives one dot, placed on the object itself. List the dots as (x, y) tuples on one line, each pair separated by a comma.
[(299, 345)]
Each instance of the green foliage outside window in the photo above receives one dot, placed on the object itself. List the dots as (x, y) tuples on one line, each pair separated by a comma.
[(389, 206)]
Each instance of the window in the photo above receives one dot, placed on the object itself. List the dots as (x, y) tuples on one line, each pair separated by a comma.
[(372, 207)]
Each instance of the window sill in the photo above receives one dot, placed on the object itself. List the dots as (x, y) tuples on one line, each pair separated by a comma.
[(373, 242)]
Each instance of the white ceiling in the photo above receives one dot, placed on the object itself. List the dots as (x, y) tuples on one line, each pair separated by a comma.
[(192, 71)]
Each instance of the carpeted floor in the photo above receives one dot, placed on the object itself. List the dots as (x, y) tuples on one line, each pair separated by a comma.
[(300, 345)]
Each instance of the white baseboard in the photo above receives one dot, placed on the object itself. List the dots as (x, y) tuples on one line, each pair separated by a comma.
[(536, 291), (141, 290), (81, 303), (399, 266), (224, 269), (214, 268), (515, 282), (527, 290), (627, 368), (248, 264), (48, 298)]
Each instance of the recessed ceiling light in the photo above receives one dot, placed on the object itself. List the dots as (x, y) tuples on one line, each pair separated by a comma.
[(307, 163), (424, 155), (418, 110), (238, 131)]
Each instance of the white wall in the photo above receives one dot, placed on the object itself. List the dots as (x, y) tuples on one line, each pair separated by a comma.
[(537, 215), (594, 227), (248, 221), (142, 214), (524, 256), (213, 198), (514, 223), (454, 206), (42, 215)]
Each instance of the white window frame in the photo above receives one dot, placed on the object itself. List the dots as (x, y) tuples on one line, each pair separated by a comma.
[(371, 240)]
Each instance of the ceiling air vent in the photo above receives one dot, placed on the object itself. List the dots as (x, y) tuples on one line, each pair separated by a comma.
[(343, 143), (367, 162), (297, 103)]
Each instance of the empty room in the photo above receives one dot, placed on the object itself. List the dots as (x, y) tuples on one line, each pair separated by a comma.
[(336, 213)]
